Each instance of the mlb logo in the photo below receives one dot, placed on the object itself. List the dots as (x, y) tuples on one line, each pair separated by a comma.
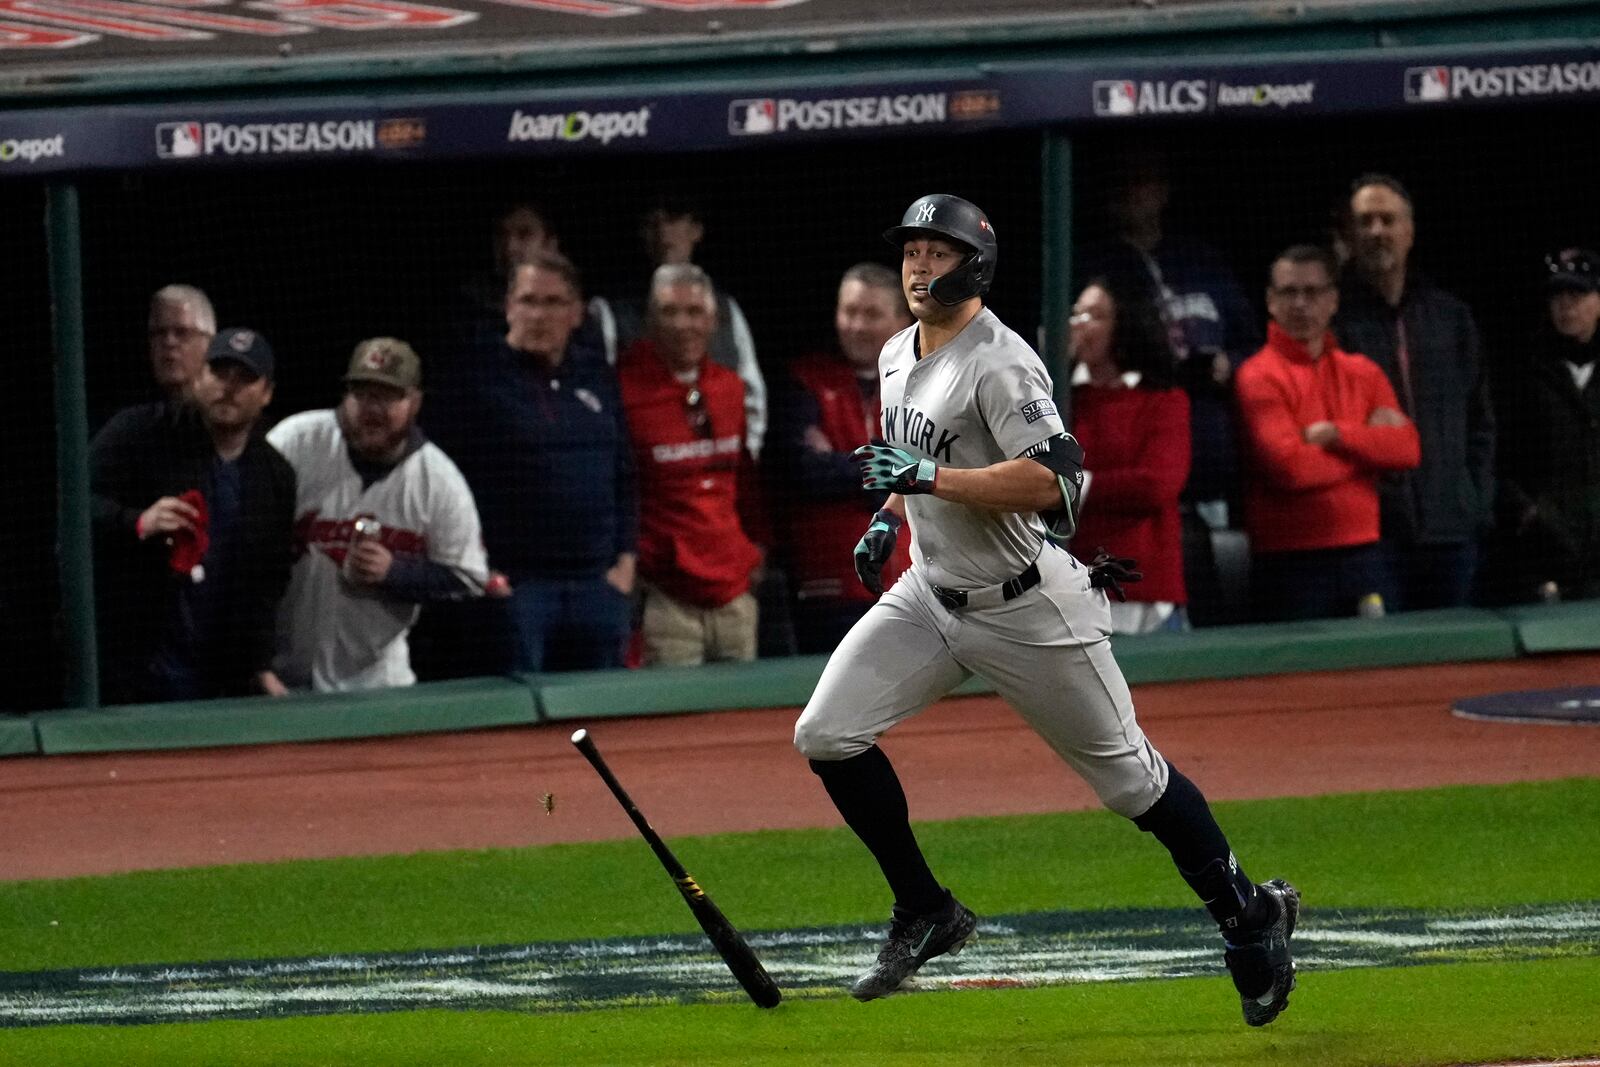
[(1116, 98), (1425, 85), (752, 116), (178, 140)]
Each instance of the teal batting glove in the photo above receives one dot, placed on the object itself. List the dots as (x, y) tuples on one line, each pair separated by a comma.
[(875, 548), (887, 467)]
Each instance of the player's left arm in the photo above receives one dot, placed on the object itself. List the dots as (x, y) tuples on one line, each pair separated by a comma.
[(455, 566), (1023, 484), (1015, 401), (1046, 475)]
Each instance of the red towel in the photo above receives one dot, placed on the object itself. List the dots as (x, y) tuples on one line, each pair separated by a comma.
[(189, 546)]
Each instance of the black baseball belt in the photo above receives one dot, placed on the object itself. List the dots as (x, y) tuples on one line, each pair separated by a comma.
[(993, 596)]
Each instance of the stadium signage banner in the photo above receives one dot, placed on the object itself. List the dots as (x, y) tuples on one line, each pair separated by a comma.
[(1001, 97)]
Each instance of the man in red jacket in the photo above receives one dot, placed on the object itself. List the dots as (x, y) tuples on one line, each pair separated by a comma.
[(686, 415), (1323, 425), (830, 410)]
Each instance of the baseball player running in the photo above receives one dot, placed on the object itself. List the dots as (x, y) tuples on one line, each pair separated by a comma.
[(979, 463)]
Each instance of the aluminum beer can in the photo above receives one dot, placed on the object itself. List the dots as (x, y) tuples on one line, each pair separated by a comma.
[(365, 528)]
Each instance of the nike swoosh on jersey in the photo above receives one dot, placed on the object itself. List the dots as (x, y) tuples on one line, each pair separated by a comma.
[(891, 373)]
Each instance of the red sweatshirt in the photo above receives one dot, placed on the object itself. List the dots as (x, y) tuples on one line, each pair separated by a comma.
[(1303, 496), (1136, 449), (825, 526), (691, 540)]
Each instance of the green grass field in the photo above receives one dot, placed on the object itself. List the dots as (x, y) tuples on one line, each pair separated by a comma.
[(1459, 849)]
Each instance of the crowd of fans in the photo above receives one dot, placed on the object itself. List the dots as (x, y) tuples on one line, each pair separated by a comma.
[(599, 482)]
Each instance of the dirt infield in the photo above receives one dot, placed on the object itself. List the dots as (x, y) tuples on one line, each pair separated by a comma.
[(1293, 735)]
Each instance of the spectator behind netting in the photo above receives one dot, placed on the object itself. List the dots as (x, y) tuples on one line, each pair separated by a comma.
[(521, 232), (1212, 328), (828, 409), (1133, 423), (1427, 343), (1550, 450), (180, 326), (686, 417), (384, 522), (192, 514), (1322, 425), (537, 428), (671, 232)]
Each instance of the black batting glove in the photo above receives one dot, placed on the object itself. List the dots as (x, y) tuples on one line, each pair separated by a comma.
[(875, 548), (1107, 572)]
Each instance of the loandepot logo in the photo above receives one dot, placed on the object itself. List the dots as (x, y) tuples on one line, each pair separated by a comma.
[(190, 140), (602, 126), (33, 149), (1038, 949), (782, 114), (1118, 98), (1264, 95), (1426, 85)]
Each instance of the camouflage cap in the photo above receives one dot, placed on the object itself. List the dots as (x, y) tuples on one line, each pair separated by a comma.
[(385, 361)]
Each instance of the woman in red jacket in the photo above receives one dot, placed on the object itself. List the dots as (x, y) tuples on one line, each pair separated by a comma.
[(1133, 423)]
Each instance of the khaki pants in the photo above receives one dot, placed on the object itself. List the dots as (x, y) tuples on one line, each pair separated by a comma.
[(683, 635)]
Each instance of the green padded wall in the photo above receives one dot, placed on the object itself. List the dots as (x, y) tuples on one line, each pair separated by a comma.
[(458, 705), (1225, 652), (1454, 635), (1557, 627), (17, 737)]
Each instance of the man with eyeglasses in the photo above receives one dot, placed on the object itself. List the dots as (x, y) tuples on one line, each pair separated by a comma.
[(1322, 426), (536, 426), (384, 522), (181, 325), (1427, 343), (686, 415)]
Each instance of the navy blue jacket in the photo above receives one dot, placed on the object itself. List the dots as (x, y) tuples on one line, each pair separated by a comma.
[(547, 457), (156, 450), (1449, 499)]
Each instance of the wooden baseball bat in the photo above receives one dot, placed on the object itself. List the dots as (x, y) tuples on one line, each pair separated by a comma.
[(735, 951)]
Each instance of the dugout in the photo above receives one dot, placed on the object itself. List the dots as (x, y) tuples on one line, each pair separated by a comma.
[(350, 154)]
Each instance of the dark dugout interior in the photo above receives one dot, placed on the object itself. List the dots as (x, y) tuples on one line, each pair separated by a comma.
[(318, 257)]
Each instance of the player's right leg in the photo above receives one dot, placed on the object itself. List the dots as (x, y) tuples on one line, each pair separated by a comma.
[(891, 665), (1073, 693)]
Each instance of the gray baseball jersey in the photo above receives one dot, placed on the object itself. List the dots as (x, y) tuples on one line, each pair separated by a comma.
[(982, 398)]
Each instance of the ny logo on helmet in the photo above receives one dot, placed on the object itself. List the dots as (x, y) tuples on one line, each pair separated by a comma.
[(925, 213)]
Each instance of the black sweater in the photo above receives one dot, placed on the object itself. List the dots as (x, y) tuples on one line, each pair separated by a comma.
[(156, 450), (1449, 498)]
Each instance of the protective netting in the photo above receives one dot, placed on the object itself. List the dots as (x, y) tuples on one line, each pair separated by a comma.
[(318, 258)]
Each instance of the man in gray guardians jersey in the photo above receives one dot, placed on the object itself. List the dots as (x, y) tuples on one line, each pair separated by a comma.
[(980, 466)]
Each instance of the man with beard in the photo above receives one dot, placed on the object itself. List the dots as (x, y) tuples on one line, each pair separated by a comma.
[(384, 522), (192, 511), (1425, 340)]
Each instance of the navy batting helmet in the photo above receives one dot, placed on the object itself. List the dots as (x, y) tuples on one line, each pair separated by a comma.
[(961, 221)]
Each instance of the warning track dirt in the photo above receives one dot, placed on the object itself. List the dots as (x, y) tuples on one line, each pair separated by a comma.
[(1050, 948)]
